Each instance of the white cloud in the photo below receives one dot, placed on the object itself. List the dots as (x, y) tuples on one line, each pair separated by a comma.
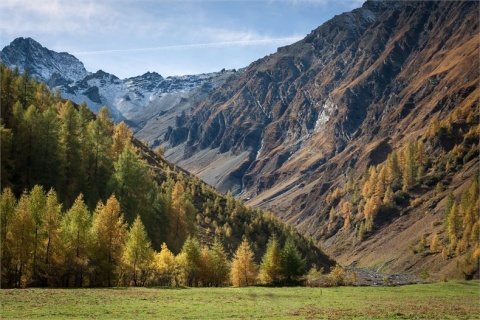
[(242, 43)]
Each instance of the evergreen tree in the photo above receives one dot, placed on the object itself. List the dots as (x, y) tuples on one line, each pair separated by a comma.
[(48, 156), (70, 153), (192, 262), (6, 151), (293, 266), (244, 271), (132, 183)]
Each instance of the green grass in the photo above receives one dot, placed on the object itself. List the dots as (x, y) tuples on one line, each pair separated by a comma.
[(454, 300)]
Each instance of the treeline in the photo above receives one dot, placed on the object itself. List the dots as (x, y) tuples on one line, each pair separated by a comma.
[(44, 246), (58, 145)]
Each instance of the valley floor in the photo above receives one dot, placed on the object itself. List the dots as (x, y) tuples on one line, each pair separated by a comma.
[(449, 300)]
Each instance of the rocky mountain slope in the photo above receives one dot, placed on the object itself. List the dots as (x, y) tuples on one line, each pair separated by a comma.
[(288, 131), (138, 99)]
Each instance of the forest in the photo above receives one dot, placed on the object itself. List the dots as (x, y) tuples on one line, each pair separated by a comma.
[(84, 203)]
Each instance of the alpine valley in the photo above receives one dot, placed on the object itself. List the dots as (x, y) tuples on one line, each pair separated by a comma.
[(364, 135)]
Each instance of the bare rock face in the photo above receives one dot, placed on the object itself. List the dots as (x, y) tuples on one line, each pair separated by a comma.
[(360, 86)]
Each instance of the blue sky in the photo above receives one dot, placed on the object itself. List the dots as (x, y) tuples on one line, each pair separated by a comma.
[(172, 37)]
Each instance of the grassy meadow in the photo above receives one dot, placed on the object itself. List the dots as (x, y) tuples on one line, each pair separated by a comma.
[(451, 300)]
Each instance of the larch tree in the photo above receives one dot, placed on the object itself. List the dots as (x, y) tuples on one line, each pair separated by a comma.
[(36, 205), (109, 232), (49, 149), (206, 267), (122, 135), (6, 150), (52, 262), (7, 211), (244, 270), (20, 242), (454, 225), (220, 265), (138, 256), (76, 241), (409, 174), (100, 133), (434, 244), (165, 266), (178, 217), (270, 268)]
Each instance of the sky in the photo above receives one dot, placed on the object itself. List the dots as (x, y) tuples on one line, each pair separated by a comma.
[(172, 37)]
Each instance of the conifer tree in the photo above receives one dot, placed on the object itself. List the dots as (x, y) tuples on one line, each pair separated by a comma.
[(76, 241), (409, 174), (192, 263), (70, 152), (138, 256), (435, 244), (7, 211), (36, 206), (100, 142), (180, 211), (165, 266), (20, 243), (109, 232), (453, 224), (132, 183), (52, 262), (121, 137), (293, 266), (271, 268), (244, 271), (219, 262), (48, 156), (6, 151)]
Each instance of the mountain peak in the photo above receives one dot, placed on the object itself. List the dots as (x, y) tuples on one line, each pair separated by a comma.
[(49, 66)]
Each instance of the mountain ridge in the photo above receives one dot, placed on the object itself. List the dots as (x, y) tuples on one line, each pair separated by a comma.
[(126, 98)]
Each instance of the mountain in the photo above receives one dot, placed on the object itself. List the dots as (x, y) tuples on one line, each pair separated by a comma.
[(290, 130), (48, 66), (137, 100)]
